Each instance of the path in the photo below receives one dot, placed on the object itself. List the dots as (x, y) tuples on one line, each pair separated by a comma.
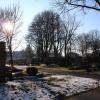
[(91, 95)]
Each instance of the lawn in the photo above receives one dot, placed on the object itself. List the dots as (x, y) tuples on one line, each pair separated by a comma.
[(60, 71), (67, 71)]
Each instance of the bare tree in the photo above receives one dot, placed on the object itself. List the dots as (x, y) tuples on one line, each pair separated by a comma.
[(10, 22), (70, 27), (83, 41), (94, 40), (45, 33), (57, 38), (68, 5), (28, 54)]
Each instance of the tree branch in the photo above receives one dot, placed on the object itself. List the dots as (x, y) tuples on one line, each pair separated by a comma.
[(84, 6), (98, 2)]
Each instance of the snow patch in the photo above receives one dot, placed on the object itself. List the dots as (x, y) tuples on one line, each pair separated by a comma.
[(47, 88), (70, 85)]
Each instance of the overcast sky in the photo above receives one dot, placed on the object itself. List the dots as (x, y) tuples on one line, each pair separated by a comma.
[(31, 8)]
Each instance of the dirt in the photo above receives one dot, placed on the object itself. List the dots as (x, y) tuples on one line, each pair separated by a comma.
[(90, 95)]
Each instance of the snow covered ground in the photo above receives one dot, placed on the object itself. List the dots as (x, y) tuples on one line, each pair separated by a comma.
[(47, 88), (70, 85)]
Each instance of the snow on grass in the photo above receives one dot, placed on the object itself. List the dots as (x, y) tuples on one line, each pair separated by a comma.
[(47, 88), (23, 90), (70, 85)]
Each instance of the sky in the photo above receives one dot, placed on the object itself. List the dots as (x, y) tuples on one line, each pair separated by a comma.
[(30, 8)]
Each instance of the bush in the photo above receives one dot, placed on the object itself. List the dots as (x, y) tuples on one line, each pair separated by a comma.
[(40, 75), (32, 71)]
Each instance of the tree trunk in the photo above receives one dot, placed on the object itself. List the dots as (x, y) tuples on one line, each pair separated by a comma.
[(65, 52), (11, 56)]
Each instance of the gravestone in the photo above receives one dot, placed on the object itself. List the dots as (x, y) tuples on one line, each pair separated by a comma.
[(3, 69), (2, 54)]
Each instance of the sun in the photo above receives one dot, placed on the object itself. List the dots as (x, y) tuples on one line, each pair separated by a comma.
[(8, 26)]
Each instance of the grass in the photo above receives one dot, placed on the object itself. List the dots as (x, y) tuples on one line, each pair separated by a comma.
[(65, 71), (59, 70)]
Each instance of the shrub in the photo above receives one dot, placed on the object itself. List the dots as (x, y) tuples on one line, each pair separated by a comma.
[(40, 75), (32, 71), (89, 70)]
